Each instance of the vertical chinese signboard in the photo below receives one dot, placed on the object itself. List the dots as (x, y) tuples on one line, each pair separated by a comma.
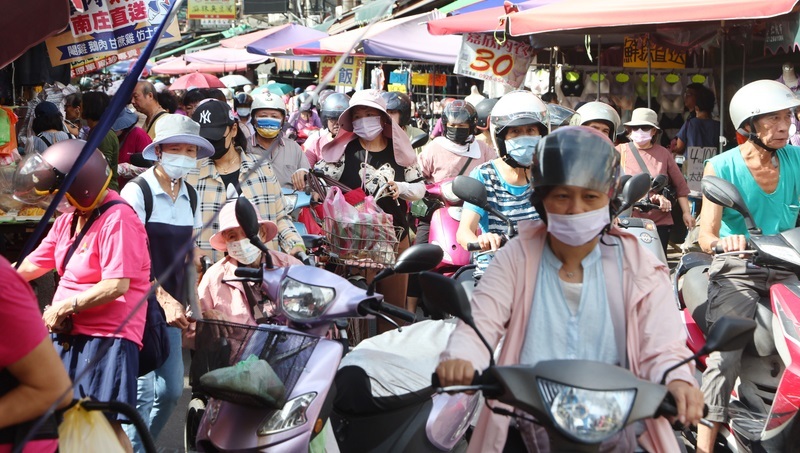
[(348, 73), (110, 27), (211, 9), (481, 57), (635, 55)]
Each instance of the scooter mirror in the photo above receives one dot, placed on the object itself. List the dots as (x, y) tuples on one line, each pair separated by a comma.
[(659, 182), (624, 180), (470, 190), (247, 217), (419, 140), (446, 295), (729, 333), (418, 258), (723, 193), (635, 188)]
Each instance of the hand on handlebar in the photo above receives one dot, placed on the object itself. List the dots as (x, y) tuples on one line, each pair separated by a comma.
[(663, 202), (455, 372), (688, 401), (490, 241), (733, 243)]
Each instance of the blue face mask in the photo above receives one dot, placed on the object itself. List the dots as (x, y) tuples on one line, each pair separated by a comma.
[(521, 149), (268, 127)]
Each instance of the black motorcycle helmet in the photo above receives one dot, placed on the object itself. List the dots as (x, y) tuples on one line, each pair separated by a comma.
[(575, 156), (332, 107), (459, 112), (483, 110), (399, 102)]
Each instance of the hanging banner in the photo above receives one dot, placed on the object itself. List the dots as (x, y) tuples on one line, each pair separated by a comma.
[(782, 34), (694, 162), (109, 27), (481, 57), (347, 74), (80, 68), (634, 55), (211, 9)]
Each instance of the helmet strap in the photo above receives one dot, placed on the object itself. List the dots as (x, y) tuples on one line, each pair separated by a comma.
[(753, 137)]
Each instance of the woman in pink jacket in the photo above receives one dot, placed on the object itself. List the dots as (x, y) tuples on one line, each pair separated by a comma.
[(596, 295)]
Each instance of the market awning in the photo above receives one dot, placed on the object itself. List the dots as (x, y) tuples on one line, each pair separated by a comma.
[(344, 42), (485, 20), (594, 14), (408, 39), (468, 6), (181, 66), (293, 34), (224, 56), (24, 25), (282, 33)]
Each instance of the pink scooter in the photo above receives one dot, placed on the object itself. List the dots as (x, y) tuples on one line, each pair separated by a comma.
[(765, 401), (444, 225)]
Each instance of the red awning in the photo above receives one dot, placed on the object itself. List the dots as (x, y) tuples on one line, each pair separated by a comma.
[(594, 14), (24, 25), (485, 20)]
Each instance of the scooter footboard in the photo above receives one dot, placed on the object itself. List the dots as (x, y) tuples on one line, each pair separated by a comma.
[(397, 431)]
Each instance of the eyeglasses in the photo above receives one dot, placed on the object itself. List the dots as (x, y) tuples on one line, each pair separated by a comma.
[(643, 128)]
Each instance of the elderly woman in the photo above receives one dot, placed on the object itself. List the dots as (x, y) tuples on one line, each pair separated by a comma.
[(98, 246), (642, 130), (369, 138), (573, 286)]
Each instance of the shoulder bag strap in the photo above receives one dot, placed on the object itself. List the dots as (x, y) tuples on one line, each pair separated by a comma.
[(466, 165), (638, 158), (46, 141), (155, 118), (96, 214), (147, 196), (192, 196)]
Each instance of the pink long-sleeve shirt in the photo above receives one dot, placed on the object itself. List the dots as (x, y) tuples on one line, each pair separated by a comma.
[(655, 338)]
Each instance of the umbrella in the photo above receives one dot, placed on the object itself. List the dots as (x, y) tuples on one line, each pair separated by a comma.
[(124, 67), (235, 80), (196, 80), (274, 88), (180, 66), (224, 56)]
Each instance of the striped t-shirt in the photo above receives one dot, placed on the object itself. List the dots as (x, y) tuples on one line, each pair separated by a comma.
[(512, 201)]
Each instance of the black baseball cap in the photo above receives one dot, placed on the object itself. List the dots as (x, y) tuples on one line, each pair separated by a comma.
[(214, 116)]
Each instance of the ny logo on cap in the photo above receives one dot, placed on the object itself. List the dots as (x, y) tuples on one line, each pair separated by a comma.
[(205, 117)]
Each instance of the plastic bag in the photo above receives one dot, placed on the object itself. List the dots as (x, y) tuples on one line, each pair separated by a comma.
[(336, 207), (83, 431), (253, 379)]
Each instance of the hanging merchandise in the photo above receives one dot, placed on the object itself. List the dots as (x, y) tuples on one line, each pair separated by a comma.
[(594, 83), (623, 94), (398, 76), (8, 135), (422, 79)]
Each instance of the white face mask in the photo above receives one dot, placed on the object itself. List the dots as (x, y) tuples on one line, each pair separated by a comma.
[(177, 166), (641, 137), (368, 127), (578, 229), (243, 112), (243, 251)]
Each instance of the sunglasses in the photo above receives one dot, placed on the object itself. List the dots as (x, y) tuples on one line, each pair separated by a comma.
[(644, 128)]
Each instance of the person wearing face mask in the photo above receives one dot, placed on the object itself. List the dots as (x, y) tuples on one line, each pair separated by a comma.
[(221, 296), (575, 287), (518, 121), (288, 160), (243, 103), (170, 222), (642, 130), (98, 246), (369, 139), (228, 173)]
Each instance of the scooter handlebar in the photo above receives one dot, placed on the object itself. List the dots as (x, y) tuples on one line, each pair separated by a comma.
[(397, 312), (474, 247)]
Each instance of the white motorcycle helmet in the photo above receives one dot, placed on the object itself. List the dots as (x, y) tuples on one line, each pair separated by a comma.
[(756, 99), (268, 101), (601, 112), (517, 108)]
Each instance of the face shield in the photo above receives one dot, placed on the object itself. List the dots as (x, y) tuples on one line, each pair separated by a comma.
[(36, 182)]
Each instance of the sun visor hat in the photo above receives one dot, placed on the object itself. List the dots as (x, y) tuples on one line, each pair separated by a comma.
[(577, 156), (39, 176)]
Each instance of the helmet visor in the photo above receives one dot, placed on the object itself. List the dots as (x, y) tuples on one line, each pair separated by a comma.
[(501, 122), (457, 112), (36, 180), (560, 116)]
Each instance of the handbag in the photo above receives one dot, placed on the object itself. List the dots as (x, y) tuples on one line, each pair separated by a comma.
[(155, 338)]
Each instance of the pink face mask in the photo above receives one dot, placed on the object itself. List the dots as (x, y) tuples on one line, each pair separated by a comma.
[(641, 137), (368, 127), (578, 229)]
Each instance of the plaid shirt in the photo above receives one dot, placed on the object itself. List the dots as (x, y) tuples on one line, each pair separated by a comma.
[(261, 188)]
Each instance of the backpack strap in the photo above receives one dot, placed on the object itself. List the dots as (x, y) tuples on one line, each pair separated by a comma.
[(46, 141), (192, 196), (147, 194)]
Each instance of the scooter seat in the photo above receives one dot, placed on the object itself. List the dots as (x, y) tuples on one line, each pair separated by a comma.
[(695, 295)]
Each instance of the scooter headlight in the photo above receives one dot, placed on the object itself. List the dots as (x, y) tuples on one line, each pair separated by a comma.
[(292, 415), (302, 302), (587, 416), (290, 201)]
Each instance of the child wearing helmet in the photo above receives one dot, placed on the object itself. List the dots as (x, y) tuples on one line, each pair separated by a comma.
[(766, 170), (564, 289), (518, 121), (483, 110), (398, 106), (287, 159)]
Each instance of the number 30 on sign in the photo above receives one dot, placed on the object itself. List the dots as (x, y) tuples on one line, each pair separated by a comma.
[(488, 60), (481, 57)]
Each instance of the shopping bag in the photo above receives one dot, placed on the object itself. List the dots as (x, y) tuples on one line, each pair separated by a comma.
[(253, 381), (336, 207), (83, 431)]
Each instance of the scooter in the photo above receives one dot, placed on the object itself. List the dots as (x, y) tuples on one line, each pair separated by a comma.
[(444, 225), (580, 403), (765, 402), (644, 229), (294, 201), (296, 358)]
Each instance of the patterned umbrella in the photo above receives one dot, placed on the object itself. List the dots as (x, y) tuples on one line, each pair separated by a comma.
[(196, 80)]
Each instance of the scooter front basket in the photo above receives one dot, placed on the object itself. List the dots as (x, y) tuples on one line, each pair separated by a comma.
[(222, 344)]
